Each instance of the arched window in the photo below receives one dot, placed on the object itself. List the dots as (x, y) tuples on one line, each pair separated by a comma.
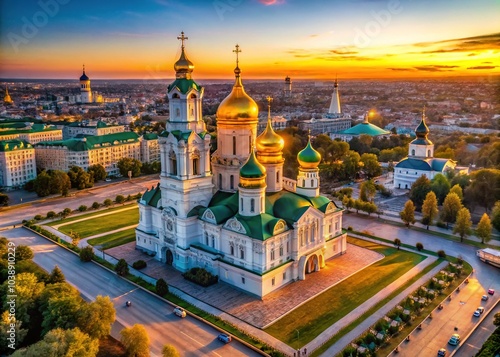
[(173, 163), (242, 253), (192, 96), (220, 181), (175, 96), (231, 182), (428, 153), (196, 162), (206, 238), (213, 241), (252, 205), (231, 249), (234, 145), (177, 112), (413, 152), (277, 177), (312, 183)]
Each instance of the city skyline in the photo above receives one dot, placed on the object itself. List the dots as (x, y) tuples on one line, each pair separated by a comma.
[(317, 39)]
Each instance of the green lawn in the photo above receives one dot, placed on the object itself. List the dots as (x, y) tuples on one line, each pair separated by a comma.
[(114, 239), (102, 224), (58, 222), (318, 314)]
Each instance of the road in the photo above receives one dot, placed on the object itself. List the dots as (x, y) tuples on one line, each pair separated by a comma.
[(189, 335), (457, 312), (13, 215)]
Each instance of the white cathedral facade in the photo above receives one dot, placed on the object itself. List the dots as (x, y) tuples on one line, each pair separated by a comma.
[(233, 213)]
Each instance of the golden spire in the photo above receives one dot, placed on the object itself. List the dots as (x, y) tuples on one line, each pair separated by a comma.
[(7, 99), (269, 100), (237, 70), (269, 144), (183, 67)]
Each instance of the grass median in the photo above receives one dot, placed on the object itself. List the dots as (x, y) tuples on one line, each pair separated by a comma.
[(316, 315), (114, 239)]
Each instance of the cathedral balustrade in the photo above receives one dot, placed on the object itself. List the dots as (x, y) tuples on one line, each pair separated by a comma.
[(226, 161), (289, 184)]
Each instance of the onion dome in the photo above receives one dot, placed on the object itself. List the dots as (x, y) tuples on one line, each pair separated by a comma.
[(7, 99), (269, 141), (309, 158), (84, 76), (252, 173), (422, 131), (238, 104), (183, 67)]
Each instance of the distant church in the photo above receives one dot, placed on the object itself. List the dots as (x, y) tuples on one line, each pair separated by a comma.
[(420, 160), (233, 213)]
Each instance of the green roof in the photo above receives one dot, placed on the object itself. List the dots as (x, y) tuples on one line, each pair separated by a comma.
[(93, 142), (151, 197), (309, 154), (365, 129), (150, 136), (258, 227), (36, 128), (252, 168), (184, 85), (12, 125), (429, 164), (12, 145)]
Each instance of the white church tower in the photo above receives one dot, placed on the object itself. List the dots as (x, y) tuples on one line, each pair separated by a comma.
[(237, 119), (308, 177), (335, 101), (85, 91)]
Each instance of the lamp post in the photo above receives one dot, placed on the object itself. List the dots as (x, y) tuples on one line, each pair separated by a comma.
[(298, 334)]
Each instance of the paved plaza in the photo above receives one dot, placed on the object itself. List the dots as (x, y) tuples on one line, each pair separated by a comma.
[(248, 308)]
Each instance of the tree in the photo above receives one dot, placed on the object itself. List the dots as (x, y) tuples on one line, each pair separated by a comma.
[(419, 190), (371, 166), (170, 351), (62, 343), (8, 324), (75, 237), (61, 312), (495, 215), (419, 246), (23, 252), (97, 171), (161, 287), (484, 188), (4, 199), (496, 321), (96, 318), (483, 229), (408, 213), (87, 254), (79, 178), (28, 289), (136, 341), (107, 202), (458, 190), (56, 276), (367, 191), (429, 209), (120, 199), (42, 184), (59, 182), (350, 164), (126, 164), (82, 208), (451, 206), (95, 205), (397, 242), (463, 223), (121, 267), (51, 214), (440, 186)]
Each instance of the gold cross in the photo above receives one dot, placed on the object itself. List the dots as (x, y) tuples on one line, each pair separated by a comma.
[(237, 50), (269, 100), (182, 38)]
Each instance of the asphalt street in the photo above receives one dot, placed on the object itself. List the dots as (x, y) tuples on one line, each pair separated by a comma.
[(189, 335)]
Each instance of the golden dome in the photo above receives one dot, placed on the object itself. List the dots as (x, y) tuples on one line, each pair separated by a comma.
[(7, 99), (309, 158), (238, 104), (269, 141), (183, 67)]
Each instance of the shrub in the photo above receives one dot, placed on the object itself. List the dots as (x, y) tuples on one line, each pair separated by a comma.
[(120, 199), (201, 277), (441, 254), (460, 259), (419, 246), (107, 202), (441, 224), (51, 214), (87, 254), (349, 228), (38, 217), (129, 198), (96, 205), (140, 264), (82, 208), (121, 267), (161, 287)]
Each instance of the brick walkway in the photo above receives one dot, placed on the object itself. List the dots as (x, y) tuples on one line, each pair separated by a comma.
[(248, 308)]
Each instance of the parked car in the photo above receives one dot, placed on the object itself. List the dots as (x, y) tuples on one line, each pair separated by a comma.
[(107, 179), (480, 309), (484, 297), (442, 352), (454, 340), (179, 311), (224, 337), (491, 291), (476, 313)]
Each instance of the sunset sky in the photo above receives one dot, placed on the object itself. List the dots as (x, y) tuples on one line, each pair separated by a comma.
[(304, 39)]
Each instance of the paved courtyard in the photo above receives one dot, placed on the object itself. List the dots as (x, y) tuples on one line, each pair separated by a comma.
[(251, 309)]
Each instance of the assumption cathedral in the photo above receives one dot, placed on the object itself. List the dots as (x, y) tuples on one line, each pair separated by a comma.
[(233, 213)]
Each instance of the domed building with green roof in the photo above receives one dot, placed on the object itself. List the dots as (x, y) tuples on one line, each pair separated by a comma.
[(420, 160), (364, 128), (233, 213)]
